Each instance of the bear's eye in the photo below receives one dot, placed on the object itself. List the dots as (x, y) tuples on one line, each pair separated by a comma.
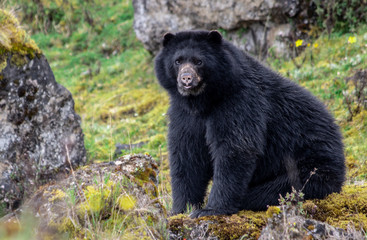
[(197, 62), (178, 62)]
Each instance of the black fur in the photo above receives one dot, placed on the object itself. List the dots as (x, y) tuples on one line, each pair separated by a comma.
[(253, 132)]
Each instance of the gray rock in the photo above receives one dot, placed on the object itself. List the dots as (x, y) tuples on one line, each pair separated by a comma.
[(252, 25), (291, 226), (40, 133)]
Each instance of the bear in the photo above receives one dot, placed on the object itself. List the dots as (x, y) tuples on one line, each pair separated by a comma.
[(236, 122)]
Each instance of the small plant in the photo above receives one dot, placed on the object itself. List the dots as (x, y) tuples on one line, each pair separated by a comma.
[(355, 97), (293, 202), (341, 15)]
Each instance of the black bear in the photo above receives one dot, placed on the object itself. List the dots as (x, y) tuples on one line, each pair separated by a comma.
[(253, 132)]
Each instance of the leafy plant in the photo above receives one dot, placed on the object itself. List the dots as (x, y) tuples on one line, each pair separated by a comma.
[(355, 97), (341, 15)]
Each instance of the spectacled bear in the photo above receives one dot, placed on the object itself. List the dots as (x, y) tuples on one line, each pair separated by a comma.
[(233, 120)]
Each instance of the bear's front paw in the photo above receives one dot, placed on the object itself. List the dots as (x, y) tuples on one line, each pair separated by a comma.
[(209, 212)]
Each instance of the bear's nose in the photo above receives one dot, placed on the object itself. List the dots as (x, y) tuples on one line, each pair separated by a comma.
[(186, 78)]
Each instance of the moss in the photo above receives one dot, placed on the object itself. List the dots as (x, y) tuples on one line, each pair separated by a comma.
[(14, 40), (67, 225), (126, 202), (341, 210), (245, 224), (181, 225), (57, 194), (97, 198), (272, 210)]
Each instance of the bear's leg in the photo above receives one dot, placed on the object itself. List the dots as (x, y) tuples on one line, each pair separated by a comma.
[(230, 182), (267, 194), (314, 184), (190, 163), (323, 181)]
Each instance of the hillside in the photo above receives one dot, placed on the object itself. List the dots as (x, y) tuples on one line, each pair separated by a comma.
[(93, 52)]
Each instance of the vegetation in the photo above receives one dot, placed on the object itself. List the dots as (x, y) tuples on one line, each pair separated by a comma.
[(93, 51), (14, 40), (346, 210), (108, 72), (342, 16)]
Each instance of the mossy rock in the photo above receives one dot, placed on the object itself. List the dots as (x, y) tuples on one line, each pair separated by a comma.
[(339, 212), (245, 224), (15, 41), (349, 208), (111, 200)]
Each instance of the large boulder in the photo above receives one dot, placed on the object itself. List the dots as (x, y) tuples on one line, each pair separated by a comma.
[(252, 25), (40, 133)]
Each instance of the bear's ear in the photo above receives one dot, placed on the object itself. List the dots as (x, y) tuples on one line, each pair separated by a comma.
[(167, 37), (215, 37)]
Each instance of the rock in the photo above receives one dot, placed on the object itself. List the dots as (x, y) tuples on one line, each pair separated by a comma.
[(338, 216), (41, 137), (119, 197), (121, 147), (253, 25), (299, 227), (244, 225)]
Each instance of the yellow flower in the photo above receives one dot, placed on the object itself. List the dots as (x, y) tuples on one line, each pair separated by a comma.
[(352, 39), (316, 45), (308, 44), (299, 42)]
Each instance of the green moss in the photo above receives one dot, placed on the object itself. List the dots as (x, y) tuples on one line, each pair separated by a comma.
[(340, 210), (245, 224), (57, 194), (343, 210), (126, 202), (96, 198), (14, 40), (272, 210)]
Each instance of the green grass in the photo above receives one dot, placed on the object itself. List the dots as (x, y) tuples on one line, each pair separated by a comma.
[(111, 78)]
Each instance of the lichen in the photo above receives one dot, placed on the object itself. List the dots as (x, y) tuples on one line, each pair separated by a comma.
[(14, 40)]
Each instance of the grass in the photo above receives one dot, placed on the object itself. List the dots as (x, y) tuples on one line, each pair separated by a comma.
[(111, 78)]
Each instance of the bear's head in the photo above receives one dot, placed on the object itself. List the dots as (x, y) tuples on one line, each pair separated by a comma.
[(188, 60)]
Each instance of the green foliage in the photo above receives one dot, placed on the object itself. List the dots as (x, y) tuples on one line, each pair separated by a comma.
[(14, 40), (59, 15), (343, 15), (293, 201)]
